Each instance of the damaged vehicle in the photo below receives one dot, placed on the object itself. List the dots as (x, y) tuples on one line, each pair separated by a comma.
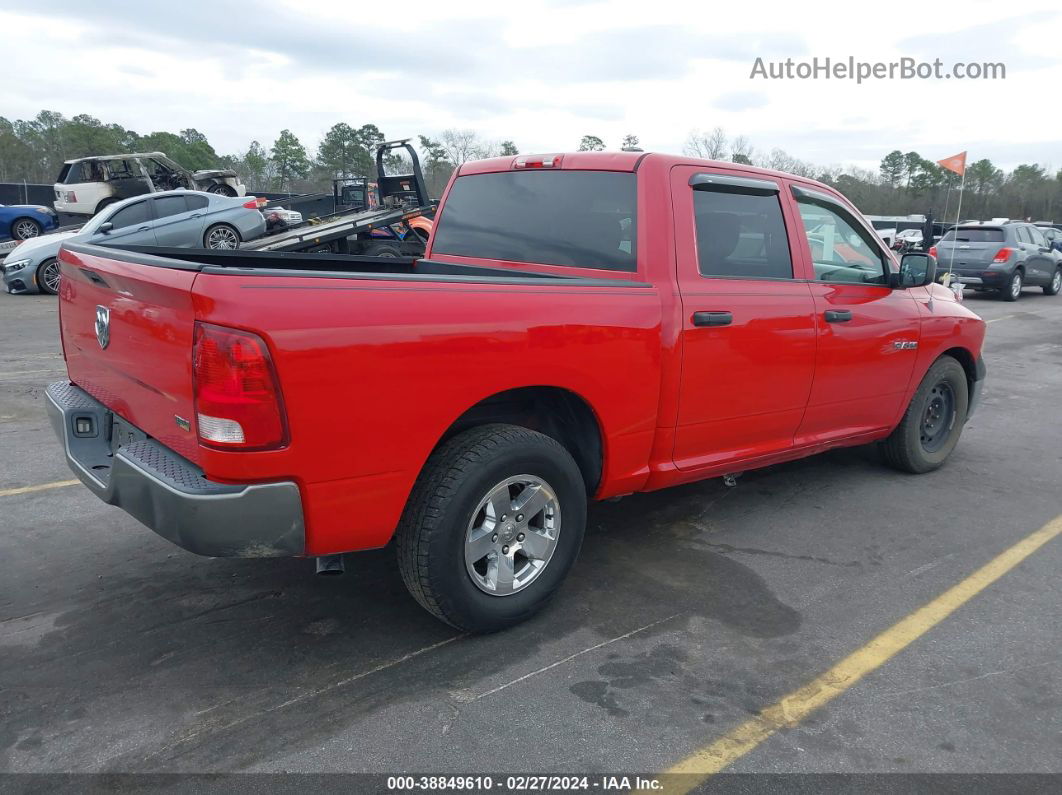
[(88, 184)]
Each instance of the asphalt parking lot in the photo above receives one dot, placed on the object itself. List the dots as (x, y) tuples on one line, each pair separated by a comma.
[(689, 611)]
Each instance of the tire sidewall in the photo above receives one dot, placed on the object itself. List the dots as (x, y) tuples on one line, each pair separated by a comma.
[(40, 277), (450, 581), (950, 371)]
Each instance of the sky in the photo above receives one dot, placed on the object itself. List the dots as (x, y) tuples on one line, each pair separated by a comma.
[(544, 73)]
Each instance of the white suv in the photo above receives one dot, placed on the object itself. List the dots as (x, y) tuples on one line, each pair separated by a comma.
[(88, 184)]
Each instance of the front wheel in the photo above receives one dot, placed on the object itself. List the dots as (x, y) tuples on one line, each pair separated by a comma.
[(492, 526), (25, 228), (48, 276), (933, 422), (1056, 283), (221, 237), (1012, 292)]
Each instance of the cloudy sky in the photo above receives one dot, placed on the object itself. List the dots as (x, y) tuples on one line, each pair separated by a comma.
[(543, 73)]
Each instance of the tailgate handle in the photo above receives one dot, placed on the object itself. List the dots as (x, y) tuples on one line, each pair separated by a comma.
[(712, 318), (94, 277), (838, 315)]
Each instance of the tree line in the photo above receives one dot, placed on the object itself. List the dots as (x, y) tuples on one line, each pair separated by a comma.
[(33, 150)]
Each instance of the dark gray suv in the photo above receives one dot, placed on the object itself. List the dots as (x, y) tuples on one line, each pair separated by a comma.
[(1004, 257)]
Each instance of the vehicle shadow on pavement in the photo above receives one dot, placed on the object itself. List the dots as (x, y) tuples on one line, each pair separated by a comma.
[(181, 663)]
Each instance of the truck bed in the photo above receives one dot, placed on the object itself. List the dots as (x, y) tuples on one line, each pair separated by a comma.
[(352, 266), (338, 227)]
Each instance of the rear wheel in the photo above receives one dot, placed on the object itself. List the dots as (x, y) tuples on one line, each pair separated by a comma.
[(383, 250), (221, 189), (25, 228), (221, 237), (492, 526), (1012, 292), (1056, 283), (933, 422), (48, 276)]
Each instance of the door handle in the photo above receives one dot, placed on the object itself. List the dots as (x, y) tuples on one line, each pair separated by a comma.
[(196, 215), (712, 318), (144, 229), (838, 315)]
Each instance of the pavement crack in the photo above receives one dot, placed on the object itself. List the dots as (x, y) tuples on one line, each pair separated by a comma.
[(727, 549)]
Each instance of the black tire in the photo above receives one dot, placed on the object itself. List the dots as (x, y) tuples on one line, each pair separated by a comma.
[(45, 278), (431, 535), (1055, 285), (215, 234), (1009, 293), (383, 250), (103, 204), (907, 448), (25, 229), (221, 189)]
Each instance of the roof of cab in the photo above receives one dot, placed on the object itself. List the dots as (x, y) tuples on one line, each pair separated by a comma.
[(625, 161)]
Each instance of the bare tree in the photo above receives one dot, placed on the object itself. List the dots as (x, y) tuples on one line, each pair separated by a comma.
[(460, 146), (711, 146), (741, 150)]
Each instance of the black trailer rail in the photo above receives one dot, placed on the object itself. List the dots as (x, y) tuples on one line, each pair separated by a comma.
[(332, 234)]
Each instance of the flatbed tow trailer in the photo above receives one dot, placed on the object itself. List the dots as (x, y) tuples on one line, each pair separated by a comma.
[(402, 196)]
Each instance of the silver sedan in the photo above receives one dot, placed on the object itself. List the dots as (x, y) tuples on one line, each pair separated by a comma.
[(178, 218)]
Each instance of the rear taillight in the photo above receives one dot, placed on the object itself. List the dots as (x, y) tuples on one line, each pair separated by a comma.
[(537, 161), (238, 405), (1002, 255), (71, 196), (252, 203), (932, 251)]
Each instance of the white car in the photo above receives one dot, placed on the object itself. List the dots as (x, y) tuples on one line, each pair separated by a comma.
[(88, 184)]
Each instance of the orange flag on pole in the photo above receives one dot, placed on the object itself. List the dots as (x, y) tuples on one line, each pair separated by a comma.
[(956, 163)]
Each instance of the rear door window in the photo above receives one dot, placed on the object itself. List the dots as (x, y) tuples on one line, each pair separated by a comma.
[(583, 219), (166, 206), (741, 235), (195, 202)]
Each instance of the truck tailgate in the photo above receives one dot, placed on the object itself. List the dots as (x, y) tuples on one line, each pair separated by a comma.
[(127, 333)]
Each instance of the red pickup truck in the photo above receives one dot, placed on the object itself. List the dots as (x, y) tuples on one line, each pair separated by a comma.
[(582, 326)]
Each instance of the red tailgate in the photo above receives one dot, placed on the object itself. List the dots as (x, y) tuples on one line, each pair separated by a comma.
[(144, 373)]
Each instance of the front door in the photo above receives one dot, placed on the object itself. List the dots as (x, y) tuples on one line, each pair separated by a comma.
[(748, 323), (868, 332), (130, 226)]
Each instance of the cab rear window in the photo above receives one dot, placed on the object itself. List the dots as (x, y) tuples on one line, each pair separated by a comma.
[(582, 219)]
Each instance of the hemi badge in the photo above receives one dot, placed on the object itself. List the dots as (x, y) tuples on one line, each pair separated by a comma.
[(904, 345), (182, 423)]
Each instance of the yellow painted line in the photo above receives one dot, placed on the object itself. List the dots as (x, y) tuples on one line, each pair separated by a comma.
[(796, 706), (57, 484)]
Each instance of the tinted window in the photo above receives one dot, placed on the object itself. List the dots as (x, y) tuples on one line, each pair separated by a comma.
[(742, 235), (842, 250), (580, 218), (170, 205), (196, 202), (973, 235), (133, 214)]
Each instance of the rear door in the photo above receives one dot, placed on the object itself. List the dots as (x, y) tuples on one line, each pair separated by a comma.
[(748, 322), (179, 220), (1041, 261), (867, 332)]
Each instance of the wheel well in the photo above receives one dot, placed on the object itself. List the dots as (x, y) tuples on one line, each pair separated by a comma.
[(966, 359), (555, 412)]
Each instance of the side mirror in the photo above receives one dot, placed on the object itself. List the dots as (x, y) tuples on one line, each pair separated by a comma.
[(917, 269), (105, 228)]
